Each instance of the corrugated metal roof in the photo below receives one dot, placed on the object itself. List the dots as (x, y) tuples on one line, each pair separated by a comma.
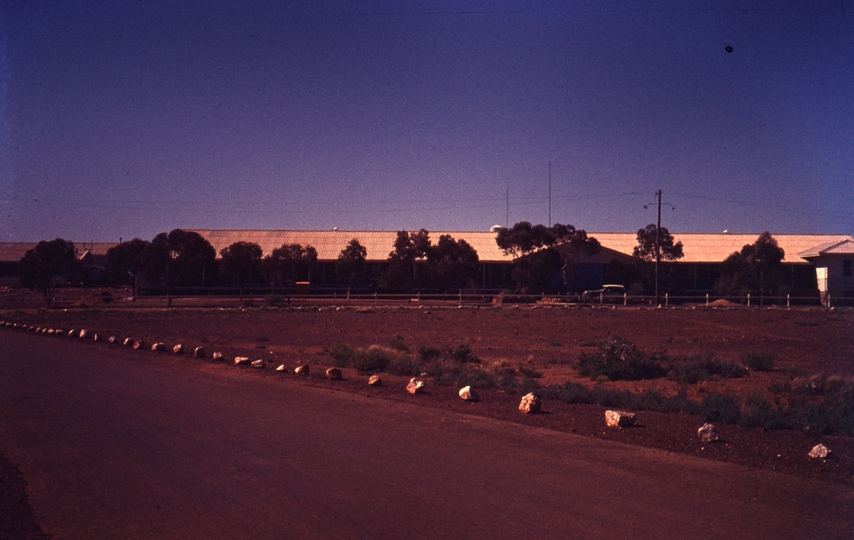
[(845, 247), (716, 247), (697, 247), (378, 244)]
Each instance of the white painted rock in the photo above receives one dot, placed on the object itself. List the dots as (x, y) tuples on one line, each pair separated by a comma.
[(282, 369), (620, 418), (112, 340), (159, 347), (50, 331), (375, 380), (530, 403), (96, 337), (178, 349), (83, 334), (302, 370), (415, 386), (217, 356), (240, 360), (58, 332), (258, 364), (467, 393), (708, 433), (128, 342), (137, 345), (199, 352), (819, 451), (334, 374), (72, 332)]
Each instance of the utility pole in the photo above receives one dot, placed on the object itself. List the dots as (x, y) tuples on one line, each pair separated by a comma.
[(657, 248)]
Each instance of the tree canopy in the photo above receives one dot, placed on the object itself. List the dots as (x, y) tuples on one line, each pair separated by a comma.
[(178, 259), (645, 249), (545, 256), (125, 262), (451, 265), (757, 268), (351, 263), (47, 263), (417, 264), (289, 263), (240, 263)]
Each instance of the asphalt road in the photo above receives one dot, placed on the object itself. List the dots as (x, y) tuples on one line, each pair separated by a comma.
[(123, 444)]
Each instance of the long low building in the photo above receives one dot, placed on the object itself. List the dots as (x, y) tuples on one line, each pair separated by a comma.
[(827, 257)]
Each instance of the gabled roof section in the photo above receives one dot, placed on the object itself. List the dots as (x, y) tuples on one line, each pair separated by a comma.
[(844, 247)]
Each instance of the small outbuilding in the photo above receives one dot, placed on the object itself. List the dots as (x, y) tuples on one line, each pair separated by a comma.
[(834, 271)]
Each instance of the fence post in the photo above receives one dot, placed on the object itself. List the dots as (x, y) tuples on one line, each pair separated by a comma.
[(748, 299), (666, 300), (707, 299), (828, 299), (625, 299), (788, 301)]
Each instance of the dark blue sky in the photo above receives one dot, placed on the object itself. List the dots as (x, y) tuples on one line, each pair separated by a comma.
[(128, 118)]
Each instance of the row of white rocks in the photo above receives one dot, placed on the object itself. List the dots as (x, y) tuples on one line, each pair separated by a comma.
[(531, 403)]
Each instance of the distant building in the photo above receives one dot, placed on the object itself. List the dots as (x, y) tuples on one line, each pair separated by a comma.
[(825, 259), (92, 256)]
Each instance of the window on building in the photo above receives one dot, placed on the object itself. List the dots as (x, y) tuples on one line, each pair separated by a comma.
[(847, 268)]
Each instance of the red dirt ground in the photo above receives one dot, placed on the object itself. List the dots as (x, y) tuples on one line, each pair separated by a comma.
[(547, 339)]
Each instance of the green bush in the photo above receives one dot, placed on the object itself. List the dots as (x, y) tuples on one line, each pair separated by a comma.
[(758, 361), (374, 358), (342, 355), (428, 354), (720, 408), (618, 359), (612, 398), (398, 344), (702, 367), (404, 365)]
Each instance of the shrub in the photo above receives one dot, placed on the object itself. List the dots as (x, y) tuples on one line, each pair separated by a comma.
[(702, 367), (572, 393), (757, 412), (618, 359), (404, 365), (462, 353), (611, 398), (397, 343), (720, 408), (428, 353), (374, 358), (459, 376), (758, 361), (342, 355)]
